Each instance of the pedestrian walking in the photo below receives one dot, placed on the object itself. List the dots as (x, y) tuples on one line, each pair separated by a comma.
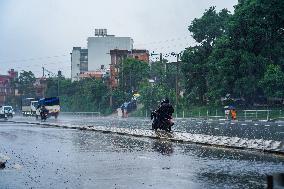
[(122, 110)]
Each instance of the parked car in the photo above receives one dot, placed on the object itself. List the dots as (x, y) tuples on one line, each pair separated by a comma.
[(6, 111)]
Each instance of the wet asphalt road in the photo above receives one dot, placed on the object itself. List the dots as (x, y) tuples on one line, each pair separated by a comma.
[(45, 157)]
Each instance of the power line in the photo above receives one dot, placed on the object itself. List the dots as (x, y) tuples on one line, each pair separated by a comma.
[(139, 44), (33, 59), (169, 45), (164, 41)]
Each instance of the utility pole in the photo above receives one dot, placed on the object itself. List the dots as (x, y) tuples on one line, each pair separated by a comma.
[(42, 71), (177, 91), (44, 85), (161, 60), (59, 74), (58, 86), (110, 98), (54, 75), (122, 73)]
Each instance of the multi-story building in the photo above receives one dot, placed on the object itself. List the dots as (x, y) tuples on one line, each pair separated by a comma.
[(6, 86), (117, 57), (103, 50), (102, 74), (79, 62), (96, 55), (140, 54), (99, 48)]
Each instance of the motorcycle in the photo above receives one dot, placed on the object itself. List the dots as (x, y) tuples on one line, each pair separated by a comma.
[(43, 114), (162, 122)]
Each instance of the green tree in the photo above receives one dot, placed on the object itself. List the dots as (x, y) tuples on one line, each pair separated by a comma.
[(91, 95), (25, 83), (132, 73), (157, 71), (273, 82), (240, 57), (119, 97), (210, 26), (205, 30), (152, 94), (164, 73), (52, 87), (195, 72), (87, 94), (257, 27)]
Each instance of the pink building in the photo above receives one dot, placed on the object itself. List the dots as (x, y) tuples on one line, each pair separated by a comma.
[(6, 85)]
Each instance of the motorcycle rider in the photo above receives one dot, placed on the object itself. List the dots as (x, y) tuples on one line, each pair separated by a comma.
[(43, 112), (166, 109), (164, 112)]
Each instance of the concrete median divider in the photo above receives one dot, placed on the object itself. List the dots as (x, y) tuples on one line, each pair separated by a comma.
[(270, 146)]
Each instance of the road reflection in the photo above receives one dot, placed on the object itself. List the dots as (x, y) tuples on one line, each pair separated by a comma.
[(164, 147), (83, 159)]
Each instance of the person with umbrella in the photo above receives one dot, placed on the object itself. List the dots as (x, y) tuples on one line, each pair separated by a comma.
[(233, 112)]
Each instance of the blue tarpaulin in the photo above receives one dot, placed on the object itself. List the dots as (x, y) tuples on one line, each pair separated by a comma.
[(48, 101)]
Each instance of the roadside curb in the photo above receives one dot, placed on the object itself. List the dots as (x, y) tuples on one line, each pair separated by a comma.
[(272, 147)]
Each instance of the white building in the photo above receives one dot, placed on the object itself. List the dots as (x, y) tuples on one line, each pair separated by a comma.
[(99, 49), (97, 55), (79, 62)]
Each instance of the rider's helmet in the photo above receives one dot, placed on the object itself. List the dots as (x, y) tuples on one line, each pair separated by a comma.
[(166, 100)]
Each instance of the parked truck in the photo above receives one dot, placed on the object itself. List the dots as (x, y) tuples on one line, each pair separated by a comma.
[(29, 106)]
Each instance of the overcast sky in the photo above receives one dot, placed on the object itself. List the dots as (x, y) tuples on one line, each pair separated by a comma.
[(36, 33)]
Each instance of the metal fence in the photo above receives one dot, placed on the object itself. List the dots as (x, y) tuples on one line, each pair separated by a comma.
[(247, 115), (82, 114)]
